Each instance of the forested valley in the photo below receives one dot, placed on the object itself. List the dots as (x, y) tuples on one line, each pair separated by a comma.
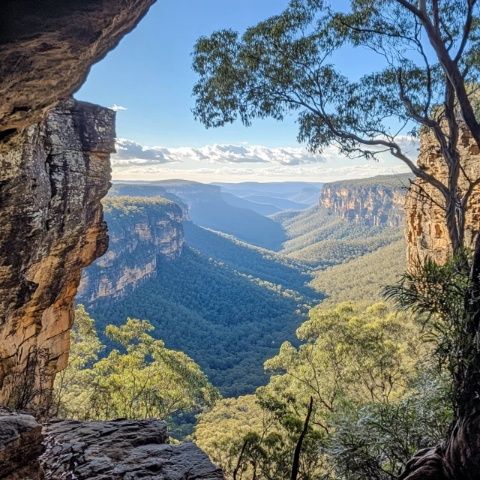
[(226, 303), (317, 320)]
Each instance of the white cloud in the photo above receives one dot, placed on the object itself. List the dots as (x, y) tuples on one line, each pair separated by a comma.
[(230, 162), (132, 153), (118, 108), (129, 153)]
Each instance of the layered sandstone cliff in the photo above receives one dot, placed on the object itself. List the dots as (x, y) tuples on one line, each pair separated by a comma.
[(376, 201), (53, 176), (141, 230), (54, 171), (426, 230)]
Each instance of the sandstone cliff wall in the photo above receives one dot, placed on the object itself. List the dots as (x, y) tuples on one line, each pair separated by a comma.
[(376, 201), (53, 176), (54, 171), (140, 231), (426, 229)]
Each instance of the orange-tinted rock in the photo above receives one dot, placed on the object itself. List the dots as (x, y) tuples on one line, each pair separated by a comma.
[(426, 229), (53, 176), (54, 170), (376, 201)]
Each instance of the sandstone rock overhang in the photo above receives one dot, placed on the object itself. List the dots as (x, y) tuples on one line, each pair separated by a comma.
[(54, 170), (48, 46)]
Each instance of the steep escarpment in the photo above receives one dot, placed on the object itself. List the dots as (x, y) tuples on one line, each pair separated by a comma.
[(141, 230), (54, 171), (53, 176), (376, 201), (426, 229)]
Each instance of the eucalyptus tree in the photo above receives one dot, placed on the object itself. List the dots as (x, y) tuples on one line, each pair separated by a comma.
[(427, 55)]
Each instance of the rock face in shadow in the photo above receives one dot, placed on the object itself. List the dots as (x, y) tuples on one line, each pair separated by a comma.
[(55, 168), (53, 176), (20, 446), (118, 449), (48, 46)]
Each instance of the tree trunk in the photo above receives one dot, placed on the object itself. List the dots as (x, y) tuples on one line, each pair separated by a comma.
[(298, 448), (458, 458)]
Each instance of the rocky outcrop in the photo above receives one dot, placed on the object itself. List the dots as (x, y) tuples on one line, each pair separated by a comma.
[(47, 48), (20, 446), (54, 171), (118, 449), (53, 176), (426, 230), (121, 449), (376, 201), (141, 230)]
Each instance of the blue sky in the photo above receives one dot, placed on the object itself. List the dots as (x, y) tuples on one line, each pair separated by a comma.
[(150, 76)]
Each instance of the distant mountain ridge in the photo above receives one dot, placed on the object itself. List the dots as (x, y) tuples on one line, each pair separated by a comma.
[(208, 206)]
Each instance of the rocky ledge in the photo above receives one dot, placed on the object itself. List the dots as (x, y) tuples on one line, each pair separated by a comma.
[(110, 450)]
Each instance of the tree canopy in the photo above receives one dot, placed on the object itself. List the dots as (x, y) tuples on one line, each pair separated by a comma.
[(376, 400), (141, 378), (427, 78)]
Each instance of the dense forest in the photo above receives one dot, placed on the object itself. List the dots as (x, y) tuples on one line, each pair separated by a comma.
[(271, 331), (230, 304), (228, 321), (321, 239)]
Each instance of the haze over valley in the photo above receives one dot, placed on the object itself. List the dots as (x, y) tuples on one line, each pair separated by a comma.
[(234, 268)]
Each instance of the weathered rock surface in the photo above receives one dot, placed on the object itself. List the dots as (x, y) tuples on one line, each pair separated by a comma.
[(54, 170), (426, 230), (141, 230), (121, 449), (48, 46), (52, 178), (376, 201), (20, 446)]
